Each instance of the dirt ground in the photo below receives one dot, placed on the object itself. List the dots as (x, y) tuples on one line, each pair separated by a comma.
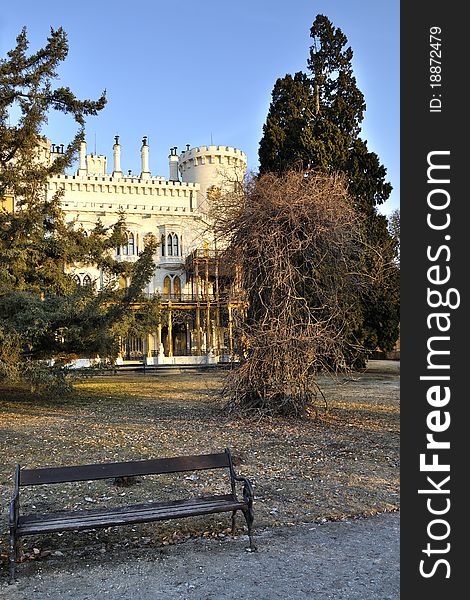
[(348, 560), (336, 467)]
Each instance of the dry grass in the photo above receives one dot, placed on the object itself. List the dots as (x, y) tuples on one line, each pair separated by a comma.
[(344, 463)]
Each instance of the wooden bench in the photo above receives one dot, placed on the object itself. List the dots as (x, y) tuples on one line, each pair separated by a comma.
[(32, 524)]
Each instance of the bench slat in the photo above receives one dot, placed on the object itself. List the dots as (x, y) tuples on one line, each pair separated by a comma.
[(49, 523), (123, 469)]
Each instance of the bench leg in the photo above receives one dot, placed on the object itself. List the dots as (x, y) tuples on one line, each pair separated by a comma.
[(249, 518), (233, 521), (13, 557)]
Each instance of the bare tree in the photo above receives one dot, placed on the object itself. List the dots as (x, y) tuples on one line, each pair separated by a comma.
[(295, 239)]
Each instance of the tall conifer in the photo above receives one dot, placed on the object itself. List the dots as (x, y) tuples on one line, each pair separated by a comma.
[(314, 123), (44, 314)]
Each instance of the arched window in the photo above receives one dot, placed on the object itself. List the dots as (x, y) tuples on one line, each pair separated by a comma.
[(87, 280), (166, 288), (177, 288), (130, 244), (76, 279), (125, 248), (118, 250), (170, 244), (163, 245), (175, 245)]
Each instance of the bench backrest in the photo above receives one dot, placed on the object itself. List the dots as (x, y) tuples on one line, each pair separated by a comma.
[(124, 469)]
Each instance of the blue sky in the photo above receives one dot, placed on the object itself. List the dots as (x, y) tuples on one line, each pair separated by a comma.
[(191, 72)]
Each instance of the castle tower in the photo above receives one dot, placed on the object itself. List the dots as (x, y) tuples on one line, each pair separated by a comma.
[(218, 166)]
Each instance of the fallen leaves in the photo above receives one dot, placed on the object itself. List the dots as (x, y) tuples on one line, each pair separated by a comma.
[(344, 463)]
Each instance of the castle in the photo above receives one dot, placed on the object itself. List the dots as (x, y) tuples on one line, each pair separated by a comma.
[(196, 299)]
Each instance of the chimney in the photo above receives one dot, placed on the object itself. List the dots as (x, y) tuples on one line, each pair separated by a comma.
[(82, 170), (144, 156), (117, 172), (173, 159)]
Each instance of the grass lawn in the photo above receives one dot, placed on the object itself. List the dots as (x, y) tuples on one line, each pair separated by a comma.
[(342, 464)]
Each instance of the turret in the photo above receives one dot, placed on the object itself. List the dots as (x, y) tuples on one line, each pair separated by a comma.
[(218, 166)]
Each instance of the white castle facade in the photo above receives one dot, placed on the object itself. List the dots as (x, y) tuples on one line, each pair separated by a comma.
[(196, 310)]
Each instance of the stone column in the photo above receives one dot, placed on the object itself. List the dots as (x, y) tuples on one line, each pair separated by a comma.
[(217, 299), (160, 349), (170, 331), (198, 328), (208, 327), (196, 276), (208, 305), (188, 340)]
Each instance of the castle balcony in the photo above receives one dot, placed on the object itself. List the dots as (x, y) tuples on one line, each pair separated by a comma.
[(171, 262)]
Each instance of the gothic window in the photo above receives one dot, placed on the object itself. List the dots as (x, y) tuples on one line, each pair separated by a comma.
[(131, 244), (87, 280), (177, 287), (166, 288), (76, 279), (170, 245)]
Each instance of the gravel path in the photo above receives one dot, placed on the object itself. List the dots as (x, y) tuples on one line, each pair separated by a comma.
[(353, 560)]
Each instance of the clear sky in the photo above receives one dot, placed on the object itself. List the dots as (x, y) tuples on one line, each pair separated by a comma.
[(196, 72)]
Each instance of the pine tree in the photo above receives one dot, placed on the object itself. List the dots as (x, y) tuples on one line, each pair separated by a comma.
[(314, 123), (44, 314)]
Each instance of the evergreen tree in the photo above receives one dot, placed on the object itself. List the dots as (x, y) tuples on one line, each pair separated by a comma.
[(44, 314), (314, 123)]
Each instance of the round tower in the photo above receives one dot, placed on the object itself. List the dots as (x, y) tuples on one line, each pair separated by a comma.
[(219, 166)]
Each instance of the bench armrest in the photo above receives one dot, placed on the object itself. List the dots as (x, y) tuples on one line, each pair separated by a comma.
[(248, 495)]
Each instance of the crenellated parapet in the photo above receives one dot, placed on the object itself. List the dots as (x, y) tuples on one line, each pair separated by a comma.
[(114, 193), (211, 155), (113, 184)]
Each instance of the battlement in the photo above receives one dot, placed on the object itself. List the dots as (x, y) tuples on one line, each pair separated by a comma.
[(97, 192), (120, 182), (200, 151)]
